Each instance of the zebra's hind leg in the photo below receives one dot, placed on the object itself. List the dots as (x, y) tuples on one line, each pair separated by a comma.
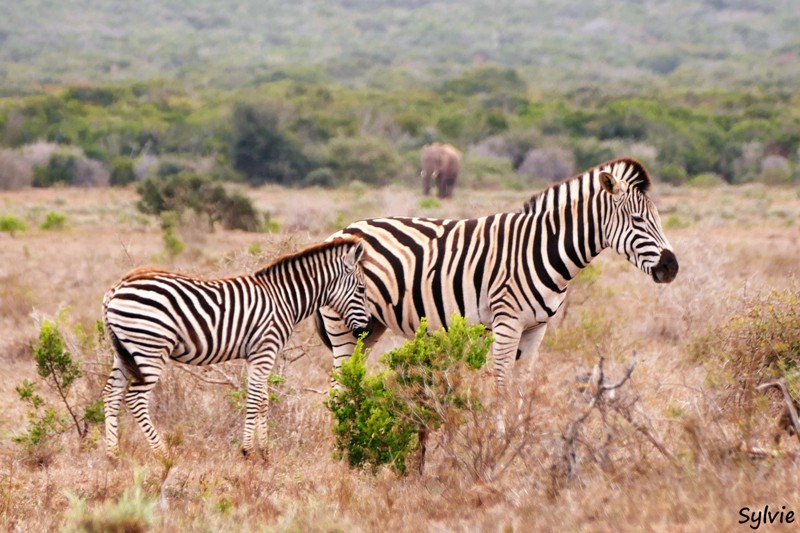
[(113, 392), (138, 399)]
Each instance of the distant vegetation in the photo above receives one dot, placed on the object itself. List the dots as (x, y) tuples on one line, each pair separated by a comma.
[(295, 132), (390, 43), (311, 95)]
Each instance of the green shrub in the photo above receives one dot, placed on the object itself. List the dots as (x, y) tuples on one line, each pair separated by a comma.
[(263, 151), (11, 224), (54, 221), (169, 234), (59, 370), (321, 177), (370, 429), (706, 179), (489, 173), (61, 168), (430, 203), (43, 421), (381, 418), (189, 191), (122, 171), (366, 159)]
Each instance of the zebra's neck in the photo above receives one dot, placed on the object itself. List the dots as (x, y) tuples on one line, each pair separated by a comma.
[(298, 290), (569, 219)]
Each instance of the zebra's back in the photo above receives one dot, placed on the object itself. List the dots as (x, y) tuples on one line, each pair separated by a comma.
[(198, 321), (419, 267)]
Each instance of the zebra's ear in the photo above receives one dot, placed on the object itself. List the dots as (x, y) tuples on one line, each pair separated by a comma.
[(355, 255), (610, 183)]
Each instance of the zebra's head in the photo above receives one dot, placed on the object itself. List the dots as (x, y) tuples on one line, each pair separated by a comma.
[(633, 227), (348, 295)]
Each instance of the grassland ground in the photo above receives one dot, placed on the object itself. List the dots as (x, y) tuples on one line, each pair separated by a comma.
[(663, 455)]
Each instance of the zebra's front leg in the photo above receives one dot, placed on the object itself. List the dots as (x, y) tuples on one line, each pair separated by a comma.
[(258, 369), (506, 335), (528, 351), (138, 400), (113, 392)]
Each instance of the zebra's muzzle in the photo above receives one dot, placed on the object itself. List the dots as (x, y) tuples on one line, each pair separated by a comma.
[(667, 267), (358, 331)]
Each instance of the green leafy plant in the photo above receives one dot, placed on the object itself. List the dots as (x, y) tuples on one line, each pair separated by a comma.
[(61, 168), (189, 191), (122, 171), (60, 371), (430, 203), (54, 221), (43, 422), (11, 224), (370, 427), (169, 227), (383, 418)]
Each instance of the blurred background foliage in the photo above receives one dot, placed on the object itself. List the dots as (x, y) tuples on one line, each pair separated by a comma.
[(303, 94)]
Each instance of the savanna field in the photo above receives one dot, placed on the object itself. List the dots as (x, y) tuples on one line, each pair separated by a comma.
[(684, 444)]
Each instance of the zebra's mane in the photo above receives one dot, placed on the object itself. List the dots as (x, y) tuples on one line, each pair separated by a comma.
[(305, 252), (623, 168)]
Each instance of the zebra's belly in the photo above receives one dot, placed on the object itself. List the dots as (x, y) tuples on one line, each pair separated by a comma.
[(205, 356)]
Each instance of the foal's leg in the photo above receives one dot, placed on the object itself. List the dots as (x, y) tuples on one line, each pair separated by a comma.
[(138, 397), (113, 393)]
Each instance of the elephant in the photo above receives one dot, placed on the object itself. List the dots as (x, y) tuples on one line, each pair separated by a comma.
[(441, 164)]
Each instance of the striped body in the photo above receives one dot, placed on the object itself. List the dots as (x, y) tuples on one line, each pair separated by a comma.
[(154, 315), (508, 271)]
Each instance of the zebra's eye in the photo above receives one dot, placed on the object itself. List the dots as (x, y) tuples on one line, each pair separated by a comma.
[(637, 219)]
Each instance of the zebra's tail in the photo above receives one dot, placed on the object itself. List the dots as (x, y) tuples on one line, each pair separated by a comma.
[(321, 331), (126, 357)]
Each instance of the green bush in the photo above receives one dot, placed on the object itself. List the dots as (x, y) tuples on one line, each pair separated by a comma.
[(366, 159), (263, 151), (370, 427), (61, 168), (169, 234), (11, 224), (189, 191), (54, 221), (489, 173), (381, 418), (321, 177), (122, 171), (59, 370)]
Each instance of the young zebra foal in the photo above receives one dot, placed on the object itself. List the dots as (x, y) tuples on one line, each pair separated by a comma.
[(154, 315)]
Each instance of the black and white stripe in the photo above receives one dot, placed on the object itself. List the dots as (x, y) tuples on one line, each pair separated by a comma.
[(508, 271), (154, 315)]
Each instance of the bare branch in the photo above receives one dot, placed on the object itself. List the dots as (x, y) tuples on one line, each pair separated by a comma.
[(790, 408)]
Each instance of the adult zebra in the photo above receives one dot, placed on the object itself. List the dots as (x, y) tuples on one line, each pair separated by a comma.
[(152, 315), (508, 271)]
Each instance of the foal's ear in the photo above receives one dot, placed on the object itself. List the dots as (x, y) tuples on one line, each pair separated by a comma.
[(355, 255), (609, 183)]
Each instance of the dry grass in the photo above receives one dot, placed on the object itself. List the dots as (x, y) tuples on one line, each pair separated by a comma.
[(658, 456)]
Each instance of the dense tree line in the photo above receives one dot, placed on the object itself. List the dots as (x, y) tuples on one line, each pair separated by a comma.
[(304, 132)]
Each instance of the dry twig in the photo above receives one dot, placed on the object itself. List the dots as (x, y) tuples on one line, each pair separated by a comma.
[(790, 408)]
